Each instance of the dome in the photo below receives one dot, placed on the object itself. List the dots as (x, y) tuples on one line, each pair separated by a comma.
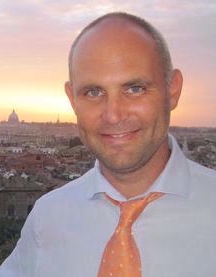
[(13, 118)]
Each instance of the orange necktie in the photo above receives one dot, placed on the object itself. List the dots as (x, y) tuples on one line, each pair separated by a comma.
[(121, 256)]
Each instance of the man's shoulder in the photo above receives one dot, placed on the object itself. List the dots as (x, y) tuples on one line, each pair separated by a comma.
[(75, 190), (55, 208), (202, 174)]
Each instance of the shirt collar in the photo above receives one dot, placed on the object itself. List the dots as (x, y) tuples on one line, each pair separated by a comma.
[(174, 179)]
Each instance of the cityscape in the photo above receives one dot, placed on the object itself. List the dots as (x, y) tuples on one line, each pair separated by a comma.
[(36, 158)]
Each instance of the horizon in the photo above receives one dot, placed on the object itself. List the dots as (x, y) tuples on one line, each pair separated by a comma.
[(36, 37), (58, 121)]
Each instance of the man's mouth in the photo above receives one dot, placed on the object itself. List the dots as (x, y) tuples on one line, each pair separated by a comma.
[(121, 136)]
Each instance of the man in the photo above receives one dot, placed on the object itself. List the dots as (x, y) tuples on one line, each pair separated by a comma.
[(122, 88)]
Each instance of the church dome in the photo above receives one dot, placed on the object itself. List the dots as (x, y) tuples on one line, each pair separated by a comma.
[(13, 118)]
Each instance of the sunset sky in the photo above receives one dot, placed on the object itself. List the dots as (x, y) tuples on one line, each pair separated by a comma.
[(35, 37)]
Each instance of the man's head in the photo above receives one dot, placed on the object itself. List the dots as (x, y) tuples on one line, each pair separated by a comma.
[(122, 88), (160, 43)]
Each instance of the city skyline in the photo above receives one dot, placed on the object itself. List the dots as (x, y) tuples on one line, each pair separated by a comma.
[(36, 37)]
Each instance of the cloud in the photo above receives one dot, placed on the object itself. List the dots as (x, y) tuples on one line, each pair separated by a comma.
[(76, 14), (14, 12), (183, 8)]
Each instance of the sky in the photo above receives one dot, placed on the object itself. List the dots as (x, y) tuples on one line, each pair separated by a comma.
[(36, 35)]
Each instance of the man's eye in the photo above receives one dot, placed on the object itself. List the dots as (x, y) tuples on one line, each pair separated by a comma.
[(136, 89), (94, 93)]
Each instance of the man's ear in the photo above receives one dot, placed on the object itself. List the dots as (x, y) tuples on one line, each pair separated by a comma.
[(175, 88), (70, 94)]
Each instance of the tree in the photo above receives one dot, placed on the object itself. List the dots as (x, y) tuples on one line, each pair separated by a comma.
[(9, 234)]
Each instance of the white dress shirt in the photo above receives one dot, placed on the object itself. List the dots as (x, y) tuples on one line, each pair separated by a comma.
[(66, 232)]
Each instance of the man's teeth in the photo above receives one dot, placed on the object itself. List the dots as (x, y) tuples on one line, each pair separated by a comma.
[(118, 135)]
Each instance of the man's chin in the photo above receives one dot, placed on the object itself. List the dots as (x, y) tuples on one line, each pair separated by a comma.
[(119, 166)]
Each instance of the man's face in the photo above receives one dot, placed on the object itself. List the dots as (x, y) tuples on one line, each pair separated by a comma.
[(119, 96)]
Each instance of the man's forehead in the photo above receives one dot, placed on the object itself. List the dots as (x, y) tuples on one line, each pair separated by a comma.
[(112, 29)]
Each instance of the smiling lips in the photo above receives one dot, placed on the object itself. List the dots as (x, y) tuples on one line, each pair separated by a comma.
[(119, 136)]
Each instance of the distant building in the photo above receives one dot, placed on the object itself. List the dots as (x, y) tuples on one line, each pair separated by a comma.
[(17, 201), (13, 118), (16, 150)]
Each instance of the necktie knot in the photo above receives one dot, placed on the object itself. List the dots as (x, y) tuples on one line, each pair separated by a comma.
[(130, 210)]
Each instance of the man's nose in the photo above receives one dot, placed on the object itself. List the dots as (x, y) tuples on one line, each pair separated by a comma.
[(115, 109)]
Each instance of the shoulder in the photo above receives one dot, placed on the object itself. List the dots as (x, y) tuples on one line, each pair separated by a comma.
[(202, 172), (70, 194), (55, 209), (203, 179)]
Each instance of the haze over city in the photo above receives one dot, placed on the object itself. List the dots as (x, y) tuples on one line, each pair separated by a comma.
[(35, 37)]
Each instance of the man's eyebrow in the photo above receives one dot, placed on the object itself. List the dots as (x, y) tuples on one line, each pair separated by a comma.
[(137, 81), (132, 82), (88, 87)]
